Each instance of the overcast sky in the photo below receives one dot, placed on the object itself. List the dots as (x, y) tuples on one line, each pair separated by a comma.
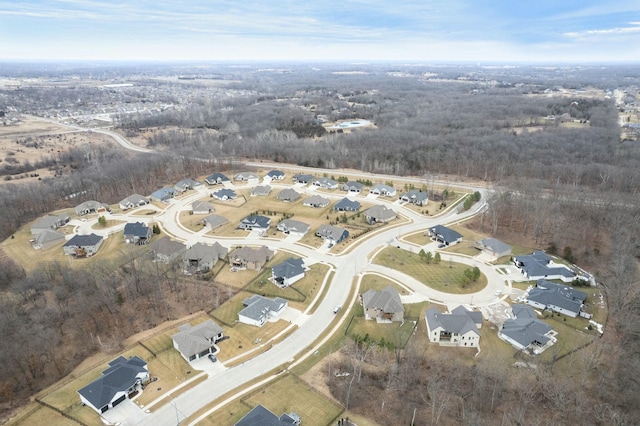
[(302, 30)]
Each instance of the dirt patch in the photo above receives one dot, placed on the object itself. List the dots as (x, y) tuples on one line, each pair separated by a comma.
[(316, 376)]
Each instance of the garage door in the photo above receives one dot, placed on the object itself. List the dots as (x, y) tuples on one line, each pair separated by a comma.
[(119, 400)]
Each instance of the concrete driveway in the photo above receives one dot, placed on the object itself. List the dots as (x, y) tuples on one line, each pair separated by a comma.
[(125, 413)]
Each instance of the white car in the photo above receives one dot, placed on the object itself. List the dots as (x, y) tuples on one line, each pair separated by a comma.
[(337, 309)]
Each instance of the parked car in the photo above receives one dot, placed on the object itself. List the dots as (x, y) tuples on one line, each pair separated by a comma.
[(442, 245), (212, 357), (337, 309)]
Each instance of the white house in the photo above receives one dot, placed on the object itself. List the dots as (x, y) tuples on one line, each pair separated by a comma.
[(288, 272), (258, 310), (526, 332), (459, 328)]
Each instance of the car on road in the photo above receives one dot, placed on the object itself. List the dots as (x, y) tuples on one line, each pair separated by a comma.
[(337, 309), (212, 357), (441, 245)]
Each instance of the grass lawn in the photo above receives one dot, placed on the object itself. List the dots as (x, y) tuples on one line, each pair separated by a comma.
[(145, 212), (420, 238), (230, 414), (244, 337), (447, 276), (238, 279), (227, 313), (376, 282), (193, 222), (41, 415), (108, 224), (395, 333)]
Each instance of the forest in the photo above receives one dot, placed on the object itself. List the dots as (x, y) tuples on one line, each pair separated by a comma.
[(555, 184)]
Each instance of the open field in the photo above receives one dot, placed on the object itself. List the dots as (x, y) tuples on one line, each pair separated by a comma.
[(446, 276), (191, 221), (376, 282)]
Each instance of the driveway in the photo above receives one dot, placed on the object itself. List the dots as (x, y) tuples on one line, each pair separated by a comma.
[(125, 413)]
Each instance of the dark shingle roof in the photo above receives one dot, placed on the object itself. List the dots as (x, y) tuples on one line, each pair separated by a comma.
[(289, 268), (83, 240), (346, 205), (137, 229), (387, 300), (448, 235), (526, 328), (561, 295), (459, 321)]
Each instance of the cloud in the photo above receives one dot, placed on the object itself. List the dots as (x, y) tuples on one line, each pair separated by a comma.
[(633, 29)]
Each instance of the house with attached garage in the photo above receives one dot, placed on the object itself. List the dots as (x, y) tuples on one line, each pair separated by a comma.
[(133, 201), (123, 378), (293, 227), (47, 239), (49, 223), (165, 250), (163, 194), (274, 175), (444, 235), (250, 223), (260, 416), (246, 177), (352, 187), (82, 245), (459, 328), (249, 258), (384, 306), (225, 194), (214, 221), (194, 342), (493, 248), (346, 205), (288, 272), (556, 297), (316, 201), (258, 310), (137, 233), (383, 190), (202, 207), (186, 185), (261, 190), (332, 234), (302, 178), (539, 265), (526, 332), (200, 257), (216, 179), (91, 206), (288, 195), (325, 183), (379, 214), (415, 196)]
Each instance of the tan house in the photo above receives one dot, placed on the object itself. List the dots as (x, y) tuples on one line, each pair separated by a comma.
[(250, 258)]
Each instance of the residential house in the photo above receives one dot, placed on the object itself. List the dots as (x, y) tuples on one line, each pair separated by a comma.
[(293, 227), (47, 239), (245, 177), (383, 190), (137, 233), (261, 190), (49, 223), (325, 183), (444, 235), (202, 207), (260, 416), (165, 250), (258, 309), (539, 265), (202, 257), (82, 245), (288, 272), (384, 306), (216, 179), (333, 234), (379, 214), (302, 178), (133, 201), (557, 298), (117, 383), (91, 206), (163, 194), (346, 205), (526, 332), (250, 223), (194, 342), (353, 187), (186, 185), (493, 247), (214, 221), (225, 194), (288, 195), (274, 175), (459, 328), (316, 201), (415, 196), (249, 258)]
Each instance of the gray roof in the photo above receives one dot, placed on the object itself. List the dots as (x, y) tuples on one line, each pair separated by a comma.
[(137, 229), (275, 173), (460, 321), (289, 268), (536, 265), (261, 190), (193, 340), (167, 247), (48, 235), (260, 416), (83, 240), (495, 245), (288, 194), (120, 376), (302, 178), (346, 205), (201, 206), (415, 196), (325, 182), (387, 300), (50, 222), (447, 234), (257, 307), (383, 189), (216, 177), (185, 184), (205, 253), (255, 222), (248, 254), (293, 225), (214, 220), (332, 232), (352, 185), (316, 200), (380, 213), (245, 176), (225, 192), (164, 193), (561, 295), (90, 205), (135, 200), (526, 328)]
